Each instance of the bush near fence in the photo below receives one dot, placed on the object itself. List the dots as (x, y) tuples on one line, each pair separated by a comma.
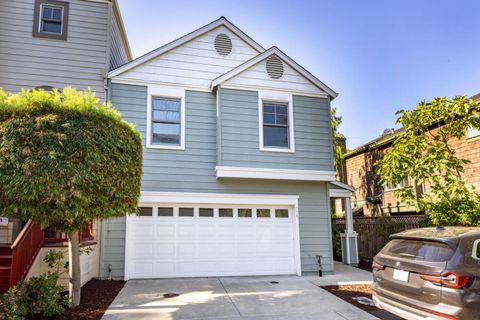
[(374, 232)]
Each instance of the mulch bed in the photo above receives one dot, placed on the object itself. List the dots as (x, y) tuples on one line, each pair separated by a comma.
[(347, 292), (97, 295)]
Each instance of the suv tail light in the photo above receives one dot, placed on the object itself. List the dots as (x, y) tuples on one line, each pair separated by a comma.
[(377, 266), (448, 279)]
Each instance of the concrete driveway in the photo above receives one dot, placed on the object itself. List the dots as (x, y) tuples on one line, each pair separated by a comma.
[(231, 298)]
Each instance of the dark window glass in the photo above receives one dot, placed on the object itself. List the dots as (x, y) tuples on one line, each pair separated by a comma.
[(418, 250), (281, 213), (244, 213), (51, 21), (263, 213), (165, 212), (166, 121), (225, 213), (275, 125), (205, 212), (185, 212), (145, 212)]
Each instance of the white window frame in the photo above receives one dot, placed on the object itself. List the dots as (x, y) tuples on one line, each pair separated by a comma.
[(62, 21), (276, 97), (168, 93), (473, 133)]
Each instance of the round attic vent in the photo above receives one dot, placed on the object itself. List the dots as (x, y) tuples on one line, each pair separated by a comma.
[(223, 44), (274, 67)]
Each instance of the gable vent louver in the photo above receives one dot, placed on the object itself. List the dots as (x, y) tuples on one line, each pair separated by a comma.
[(274, 67), (223, 44)]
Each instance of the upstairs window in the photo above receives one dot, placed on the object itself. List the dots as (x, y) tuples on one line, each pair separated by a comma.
[(473, 132), (275, 125), (50, 20), (166, 123)]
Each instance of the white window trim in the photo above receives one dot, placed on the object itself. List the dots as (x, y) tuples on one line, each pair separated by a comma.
[(41, 16), (165, 92), (281, 97), (473, 133)]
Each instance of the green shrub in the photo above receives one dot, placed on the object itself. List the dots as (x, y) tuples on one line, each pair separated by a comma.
[(44, 296), (66, 159), (13, 304)]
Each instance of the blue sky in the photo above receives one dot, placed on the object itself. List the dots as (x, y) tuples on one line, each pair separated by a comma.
[(380, 56)]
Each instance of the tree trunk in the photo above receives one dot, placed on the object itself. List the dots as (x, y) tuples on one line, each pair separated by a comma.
[(74, 268)]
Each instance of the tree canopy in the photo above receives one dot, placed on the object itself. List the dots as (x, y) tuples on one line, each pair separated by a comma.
[(424, 154), (65, 159)]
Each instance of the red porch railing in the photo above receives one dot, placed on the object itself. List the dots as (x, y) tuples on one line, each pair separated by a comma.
[(26, 247), (24, 251)]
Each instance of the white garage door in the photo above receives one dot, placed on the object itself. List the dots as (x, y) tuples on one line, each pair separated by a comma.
[(211, 240)]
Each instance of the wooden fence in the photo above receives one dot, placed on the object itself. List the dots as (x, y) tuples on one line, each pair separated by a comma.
[(374, 232)]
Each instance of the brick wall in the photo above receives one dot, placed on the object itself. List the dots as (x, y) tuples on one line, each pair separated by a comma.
[(361, 174)]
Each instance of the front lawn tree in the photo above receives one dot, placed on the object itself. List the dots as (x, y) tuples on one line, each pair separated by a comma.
[(425, 155), (66, 160)]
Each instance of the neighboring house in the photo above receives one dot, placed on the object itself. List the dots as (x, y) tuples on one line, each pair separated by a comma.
[(46, 43), (371, 198), (237, 161)]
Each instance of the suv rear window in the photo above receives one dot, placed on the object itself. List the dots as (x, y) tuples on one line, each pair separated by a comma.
[(418, 250)]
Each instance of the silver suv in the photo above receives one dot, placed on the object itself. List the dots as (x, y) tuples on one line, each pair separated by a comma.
[(430, 273)]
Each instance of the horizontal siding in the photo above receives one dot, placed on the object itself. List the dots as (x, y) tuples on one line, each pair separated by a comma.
[(257, 77), (113, 248), (27, 62), (240, 133), (195, 63), (118, 53), (193, 170)]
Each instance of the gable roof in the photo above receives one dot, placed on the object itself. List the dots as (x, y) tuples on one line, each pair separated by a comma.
[(222, 21), (262, 56)]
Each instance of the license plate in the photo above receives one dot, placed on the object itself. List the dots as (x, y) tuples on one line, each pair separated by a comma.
[(400, 275)]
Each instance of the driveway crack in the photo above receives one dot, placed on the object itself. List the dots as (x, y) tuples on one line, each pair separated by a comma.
[(230, 298)]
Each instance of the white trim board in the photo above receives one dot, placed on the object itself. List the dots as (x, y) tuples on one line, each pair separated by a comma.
[(262, 56), (273, 174), (217, 198), (222, 21)]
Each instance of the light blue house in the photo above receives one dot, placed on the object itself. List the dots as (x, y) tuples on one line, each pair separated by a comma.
[(238, 168)]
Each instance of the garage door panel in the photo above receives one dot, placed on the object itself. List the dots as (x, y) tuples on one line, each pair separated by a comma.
[(143, 230), (176, 246), (143, 268), (164, 268), (186, 230), (165, 230), (226, 250), (144, 250), (165, 251)]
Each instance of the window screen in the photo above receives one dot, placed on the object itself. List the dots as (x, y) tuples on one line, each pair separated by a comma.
[(51, 19), (275, 125), (166, 121)]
